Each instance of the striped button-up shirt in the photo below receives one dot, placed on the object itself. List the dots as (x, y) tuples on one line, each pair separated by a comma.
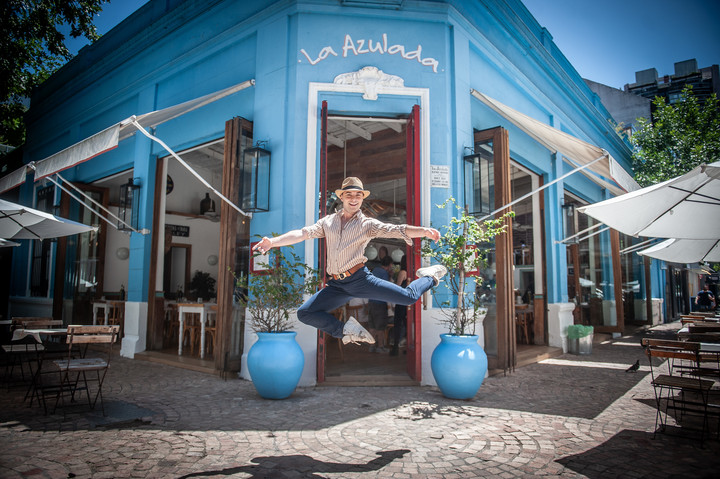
[(346, 245)]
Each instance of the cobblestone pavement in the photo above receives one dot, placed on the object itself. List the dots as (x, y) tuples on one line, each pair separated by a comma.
[(574, 416)]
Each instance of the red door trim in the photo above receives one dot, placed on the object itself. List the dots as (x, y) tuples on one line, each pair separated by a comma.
[(321, 243), (414, 356)]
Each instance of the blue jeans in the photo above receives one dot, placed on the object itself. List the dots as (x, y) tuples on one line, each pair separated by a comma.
[(362, 284)]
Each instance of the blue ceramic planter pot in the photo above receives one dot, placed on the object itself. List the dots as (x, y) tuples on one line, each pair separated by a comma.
[(459, 366), (275, 363)]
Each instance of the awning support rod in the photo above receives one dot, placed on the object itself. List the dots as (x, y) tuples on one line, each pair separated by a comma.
[(597, 225), (93, 201), (594, 233), (543, 187), (190, 169), (632, 248), (72, 195)]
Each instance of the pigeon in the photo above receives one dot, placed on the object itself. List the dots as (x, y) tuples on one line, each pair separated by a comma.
[(634, 367)]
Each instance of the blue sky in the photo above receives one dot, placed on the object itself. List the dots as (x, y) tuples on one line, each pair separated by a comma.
[(606, 41)]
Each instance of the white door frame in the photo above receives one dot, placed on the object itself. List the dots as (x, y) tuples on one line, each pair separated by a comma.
[(370, 82)]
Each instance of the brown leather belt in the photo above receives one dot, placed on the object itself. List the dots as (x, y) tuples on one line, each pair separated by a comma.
[(348, 273)]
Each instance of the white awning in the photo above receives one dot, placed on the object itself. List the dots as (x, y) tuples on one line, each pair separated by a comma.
[(108, 139), (576, 152), (11, 180)]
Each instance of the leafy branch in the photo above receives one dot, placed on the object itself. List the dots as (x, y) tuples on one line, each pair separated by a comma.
[(462, 248), (272, 295)]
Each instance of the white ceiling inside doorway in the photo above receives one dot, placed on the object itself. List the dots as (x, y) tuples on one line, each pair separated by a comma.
[(346, 128)]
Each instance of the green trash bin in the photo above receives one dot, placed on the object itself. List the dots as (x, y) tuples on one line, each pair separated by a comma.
[(580, 339)]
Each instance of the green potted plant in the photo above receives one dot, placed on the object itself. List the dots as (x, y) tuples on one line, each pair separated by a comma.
[(202, 285), (458, 363), (275, 361)]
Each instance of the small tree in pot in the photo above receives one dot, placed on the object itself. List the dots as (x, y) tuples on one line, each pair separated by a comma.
[(273, 294), (460, 249), (275, 361)]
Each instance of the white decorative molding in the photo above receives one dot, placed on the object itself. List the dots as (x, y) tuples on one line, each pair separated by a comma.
[(370, 79)]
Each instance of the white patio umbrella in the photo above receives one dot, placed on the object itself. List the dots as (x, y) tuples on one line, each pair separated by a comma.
[(686, 207), (21, 222), (684, 251)]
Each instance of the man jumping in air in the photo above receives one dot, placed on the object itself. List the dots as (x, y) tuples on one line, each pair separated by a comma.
[(346, 234)]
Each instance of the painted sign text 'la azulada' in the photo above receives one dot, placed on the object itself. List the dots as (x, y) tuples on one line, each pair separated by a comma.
[(365, 46)]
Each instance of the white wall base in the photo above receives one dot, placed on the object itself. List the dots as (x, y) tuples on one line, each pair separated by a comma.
[(657, 311), (559, 318), (135, 329), (609, 313), (431, 331)]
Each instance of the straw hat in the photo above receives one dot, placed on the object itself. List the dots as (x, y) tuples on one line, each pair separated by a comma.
[(352, 183)]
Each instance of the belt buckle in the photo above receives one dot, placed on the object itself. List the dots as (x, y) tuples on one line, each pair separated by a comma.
[(343, 275)]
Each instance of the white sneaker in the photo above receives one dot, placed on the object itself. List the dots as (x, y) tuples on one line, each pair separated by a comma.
[(436, 271), (354, 333)]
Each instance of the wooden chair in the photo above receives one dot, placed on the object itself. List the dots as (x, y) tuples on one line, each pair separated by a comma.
[(191, 332), (678, 384), (524, 318), (704, 327), (340, 315), (116, 314), (355, 310), (39, 323), (171, 327), (210, 329), (72, 368)]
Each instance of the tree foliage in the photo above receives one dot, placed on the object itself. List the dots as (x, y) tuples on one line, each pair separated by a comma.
[(680, 137), (462, 247), (32, 47)]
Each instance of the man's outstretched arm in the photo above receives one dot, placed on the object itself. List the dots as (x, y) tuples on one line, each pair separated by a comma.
[(422, 232), (291, 237)]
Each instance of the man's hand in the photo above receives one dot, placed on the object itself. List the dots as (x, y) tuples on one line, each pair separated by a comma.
[(432, 233), (264, 245)]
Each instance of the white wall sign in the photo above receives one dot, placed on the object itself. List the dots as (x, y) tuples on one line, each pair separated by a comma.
[(363, 46), (439, 176)]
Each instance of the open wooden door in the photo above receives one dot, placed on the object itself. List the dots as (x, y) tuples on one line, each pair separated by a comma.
[(414, 331), (500, 336)]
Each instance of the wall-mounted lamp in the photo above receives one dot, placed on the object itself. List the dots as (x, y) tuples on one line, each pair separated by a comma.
[(129, 205), (255, 179), (479, 181), (569, 222)]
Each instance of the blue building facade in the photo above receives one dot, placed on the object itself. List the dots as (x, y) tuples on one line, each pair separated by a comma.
[(385, 91)]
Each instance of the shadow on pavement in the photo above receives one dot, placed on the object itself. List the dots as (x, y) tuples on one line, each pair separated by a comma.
[(301, 466), (626, 455)]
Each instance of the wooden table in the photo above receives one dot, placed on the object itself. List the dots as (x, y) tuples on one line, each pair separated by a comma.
[(193, 308)]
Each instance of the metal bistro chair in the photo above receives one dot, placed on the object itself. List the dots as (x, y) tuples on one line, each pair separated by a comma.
[(73, 368), (680, 387), (20, 353)]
